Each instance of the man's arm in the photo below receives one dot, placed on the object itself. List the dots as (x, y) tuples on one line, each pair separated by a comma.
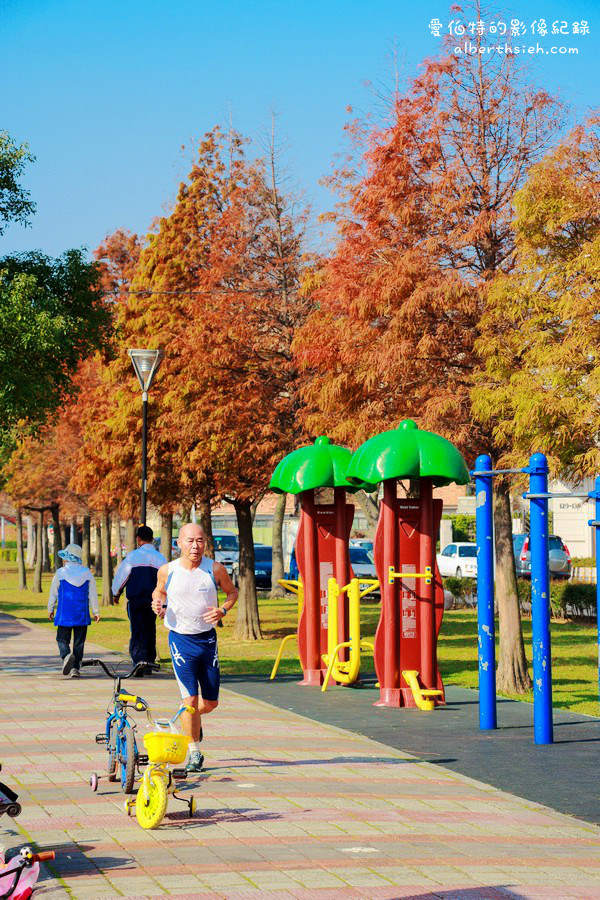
[(159, 594), (121, 577), (216, 613)]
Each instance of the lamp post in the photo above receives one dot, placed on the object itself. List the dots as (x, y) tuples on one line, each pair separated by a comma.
[(145, 364)]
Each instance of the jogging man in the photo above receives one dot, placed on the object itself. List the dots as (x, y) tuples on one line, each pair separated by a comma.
[(137, 575), (186, 595)]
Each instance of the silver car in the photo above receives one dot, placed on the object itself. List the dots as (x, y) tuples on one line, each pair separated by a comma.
[(559, 558)]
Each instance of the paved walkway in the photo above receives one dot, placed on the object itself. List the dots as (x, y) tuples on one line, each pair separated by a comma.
[(288, 808), (507, 758)]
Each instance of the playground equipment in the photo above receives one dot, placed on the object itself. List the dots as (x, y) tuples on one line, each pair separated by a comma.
[(321, 546), (295, 586), (538, 495), (412, 596), (346, 671)]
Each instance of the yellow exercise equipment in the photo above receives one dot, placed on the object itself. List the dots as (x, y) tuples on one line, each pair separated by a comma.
[(296, 587), (345, 672), (427, 575), (420, 694)]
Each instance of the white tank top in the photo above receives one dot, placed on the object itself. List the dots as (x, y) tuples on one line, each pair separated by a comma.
[(190, 592)]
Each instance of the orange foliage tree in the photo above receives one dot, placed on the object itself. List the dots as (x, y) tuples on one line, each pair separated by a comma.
[(423, 230)]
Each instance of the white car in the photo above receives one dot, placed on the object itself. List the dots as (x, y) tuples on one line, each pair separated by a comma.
[(227, 548), (458, 560)]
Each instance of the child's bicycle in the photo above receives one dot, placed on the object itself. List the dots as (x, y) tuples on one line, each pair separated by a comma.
[(166, 747), (124, 758), (18, 876)]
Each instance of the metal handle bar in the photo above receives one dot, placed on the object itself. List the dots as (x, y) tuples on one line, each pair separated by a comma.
[(550, 494), (478, 472), (164, 722), (114, 673)]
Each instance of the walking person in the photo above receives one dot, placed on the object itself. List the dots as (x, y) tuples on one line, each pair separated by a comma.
[(186, 596), (72, 592), (137, 576)]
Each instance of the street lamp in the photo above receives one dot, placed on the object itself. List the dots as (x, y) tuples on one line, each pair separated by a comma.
[(145, 364)]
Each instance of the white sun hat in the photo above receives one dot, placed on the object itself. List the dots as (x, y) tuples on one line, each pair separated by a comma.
[(71, 553)]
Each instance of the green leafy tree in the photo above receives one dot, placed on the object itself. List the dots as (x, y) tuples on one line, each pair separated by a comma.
[(15, 204), (52, 315)]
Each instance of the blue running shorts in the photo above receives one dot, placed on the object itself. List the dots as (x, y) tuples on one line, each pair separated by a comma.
[(196, 663)]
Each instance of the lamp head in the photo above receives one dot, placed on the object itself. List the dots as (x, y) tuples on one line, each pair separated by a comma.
[(145, 364)]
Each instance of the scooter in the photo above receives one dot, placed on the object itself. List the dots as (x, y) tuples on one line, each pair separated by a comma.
[(19, 875)]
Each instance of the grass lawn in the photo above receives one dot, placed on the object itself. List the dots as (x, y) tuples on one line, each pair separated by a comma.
[(574, 645)]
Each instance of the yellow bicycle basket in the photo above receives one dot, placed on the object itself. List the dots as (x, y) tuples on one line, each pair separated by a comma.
[(164, 747)]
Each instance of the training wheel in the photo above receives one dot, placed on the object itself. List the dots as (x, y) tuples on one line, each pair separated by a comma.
[(192, 806), (127, 807), (94, 781)]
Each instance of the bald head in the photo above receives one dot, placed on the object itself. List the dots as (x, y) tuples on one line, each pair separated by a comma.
[(191, 542)]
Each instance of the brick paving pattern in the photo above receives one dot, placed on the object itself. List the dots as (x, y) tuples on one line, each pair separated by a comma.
[(287, 808)]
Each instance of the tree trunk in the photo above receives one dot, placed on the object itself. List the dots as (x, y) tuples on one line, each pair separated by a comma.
[(205, 516), (186, 514), (98, 547), (21, 553), (278, 569), (370, 508), (117, 538), (106, 561), (86, 541), (39, 555), (166, 534), (46, 551), (66, 535), (130, 534), (247, 623), (512, 674), (57, 542), (31, 542)]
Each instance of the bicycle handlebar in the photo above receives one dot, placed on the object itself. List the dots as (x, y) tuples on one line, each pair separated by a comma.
[(44, 856), (112, 672)]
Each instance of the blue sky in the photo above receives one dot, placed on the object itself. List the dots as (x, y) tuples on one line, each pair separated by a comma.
[(106, 93)]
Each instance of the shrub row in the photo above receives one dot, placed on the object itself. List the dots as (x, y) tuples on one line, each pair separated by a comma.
[(568, 599)]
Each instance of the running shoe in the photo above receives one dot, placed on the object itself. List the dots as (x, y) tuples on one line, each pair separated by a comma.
[(196, 762), (68, 663)]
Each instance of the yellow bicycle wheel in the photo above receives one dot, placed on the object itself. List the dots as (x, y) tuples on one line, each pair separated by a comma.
[(151, 801)]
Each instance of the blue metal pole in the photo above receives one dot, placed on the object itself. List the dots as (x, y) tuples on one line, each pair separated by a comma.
[(597, 529), (484, 522), (540, 601)]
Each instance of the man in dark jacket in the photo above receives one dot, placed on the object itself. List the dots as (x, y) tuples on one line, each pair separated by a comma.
[(137, 575)]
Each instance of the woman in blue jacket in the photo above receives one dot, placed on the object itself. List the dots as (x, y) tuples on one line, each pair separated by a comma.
[(72, 593)]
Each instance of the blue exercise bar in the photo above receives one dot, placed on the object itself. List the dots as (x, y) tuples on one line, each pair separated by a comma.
[(540, 599), (485, 593), (595, 495)]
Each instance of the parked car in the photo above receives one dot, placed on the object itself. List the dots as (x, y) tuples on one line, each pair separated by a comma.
[(360, 560), (362, 542), (175, 551), (458, 560), (559, 557), (227, 548), (362, 563), (263, 567)]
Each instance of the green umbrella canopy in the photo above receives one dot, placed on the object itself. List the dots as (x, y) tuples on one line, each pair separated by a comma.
[(407, 452), (321, 464)]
